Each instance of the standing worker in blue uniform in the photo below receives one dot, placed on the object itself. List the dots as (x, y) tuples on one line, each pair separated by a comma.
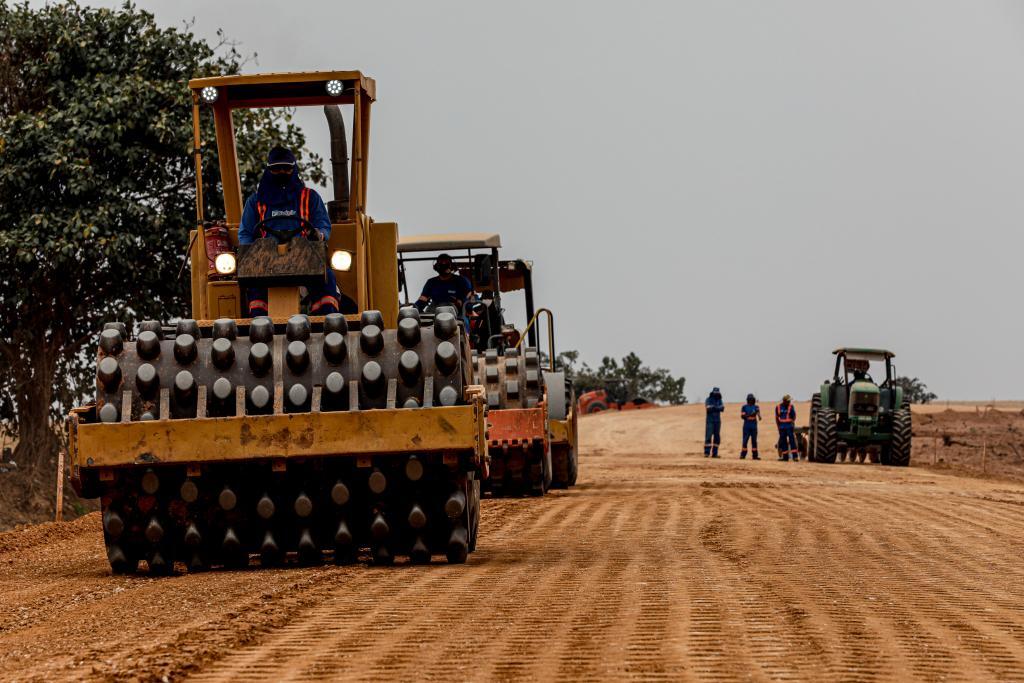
[(751, 414), (283, 202), (713, 408), (785, 418)]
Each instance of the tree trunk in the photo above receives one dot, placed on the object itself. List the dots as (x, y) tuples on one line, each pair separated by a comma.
[(34, 377), (37, 438)]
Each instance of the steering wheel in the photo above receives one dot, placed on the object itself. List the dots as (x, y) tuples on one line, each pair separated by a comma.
[(474, 307), (285, 236)]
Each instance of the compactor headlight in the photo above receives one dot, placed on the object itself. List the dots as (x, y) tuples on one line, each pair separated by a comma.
[(341, 260), (225, 263), (209, 94), (335, 88)]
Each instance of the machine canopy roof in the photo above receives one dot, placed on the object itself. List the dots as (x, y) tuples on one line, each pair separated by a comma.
[(864, 354), (286, 88), (449, 242)]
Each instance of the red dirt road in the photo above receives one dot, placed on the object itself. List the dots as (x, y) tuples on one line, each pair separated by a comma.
[(660, 564)]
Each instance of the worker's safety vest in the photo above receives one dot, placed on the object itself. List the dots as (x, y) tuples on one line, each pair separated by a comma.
[(261, 209), (785, 414)]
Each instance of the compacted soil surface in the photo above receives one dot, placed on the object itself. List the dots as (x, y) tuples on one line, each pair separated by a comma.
[(659, 564)]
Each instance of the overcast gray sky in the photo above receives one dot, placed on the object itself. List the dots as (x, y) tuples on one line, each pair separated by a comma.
[(730, 189)]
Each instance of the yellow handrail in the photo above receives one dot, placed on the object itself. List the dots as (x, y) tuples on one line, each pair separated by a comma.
[(551, 334)]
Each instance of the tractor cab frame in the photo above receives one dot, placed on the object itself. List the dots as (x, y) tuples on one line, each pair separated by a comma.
[(364, 248), (849, 362), (476, 257)]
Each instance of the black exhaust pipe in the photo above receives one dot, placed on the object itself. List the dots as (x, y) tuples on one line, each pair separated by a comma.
[(338, 207)]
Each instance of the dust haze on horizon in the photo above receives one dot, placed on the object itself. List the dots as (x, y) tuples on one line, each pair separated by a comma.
[(730, 189)]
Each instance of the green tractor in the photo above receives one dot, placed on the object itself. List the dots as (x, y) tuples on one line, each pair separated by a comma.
[(855, 417)]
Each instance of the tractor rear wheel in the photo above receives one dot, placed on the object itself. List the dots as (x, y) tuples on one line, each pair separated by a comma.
[(899, 449), (825, 442), (815, 407), (596, 407)]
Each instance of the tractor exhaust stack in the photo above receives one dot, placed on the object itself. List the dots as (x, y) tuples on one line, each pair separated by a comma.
[(338, 208)]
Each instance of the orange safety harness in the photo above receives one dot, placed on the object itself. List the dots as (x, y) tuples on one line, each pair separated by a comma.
[(261, 209), (790, 414)]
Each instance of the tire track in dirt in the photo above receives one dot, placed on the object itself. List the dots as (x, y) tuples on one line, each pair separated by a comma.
[(716, 638), (777, 619), (988, 636), (398, 636), (918, 642), (875, 584), (659, 565), (654, 649), (900, 579)]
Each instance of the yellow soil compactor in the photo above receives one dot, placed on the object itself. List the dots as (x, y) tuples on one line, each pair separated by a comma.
[(531, 419), (220, 440)]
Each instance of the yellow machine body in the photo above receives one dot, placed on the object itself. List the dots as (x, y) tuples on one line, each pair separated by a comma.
[(340, 443)]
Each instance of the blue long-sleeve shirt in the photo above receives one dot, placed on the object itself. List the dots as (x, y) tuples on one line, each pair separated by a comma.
[(714, 407), (285, 217)]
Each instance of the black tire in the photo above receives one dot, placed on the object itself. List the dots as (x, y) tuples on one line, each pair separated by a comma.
[(560, 399), (899, 450), (560, 473), (815, 407), (596, 407), (565, 466), (825, 441), (474, 517), (574, 466), (537, 472), (547, 470), (574, 461)]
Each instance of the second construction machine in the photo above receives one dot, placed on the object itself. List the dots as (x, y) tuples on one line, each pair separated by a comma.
[(853, 416), (222, 439), (531, 425)]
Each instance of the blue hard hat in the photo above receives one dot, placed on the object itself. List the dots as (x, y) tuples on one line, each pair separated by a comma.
[(280, 156)]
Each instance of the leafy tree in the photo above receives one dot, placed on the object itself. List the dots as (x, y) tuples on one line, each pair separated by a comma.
[(624, 380), (914, 390), (98, 188)]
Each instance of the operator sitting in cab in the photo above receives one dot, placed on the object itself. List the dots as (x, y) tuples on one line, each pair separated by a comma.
[(447, 288), (283, 202), (861, 376)]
